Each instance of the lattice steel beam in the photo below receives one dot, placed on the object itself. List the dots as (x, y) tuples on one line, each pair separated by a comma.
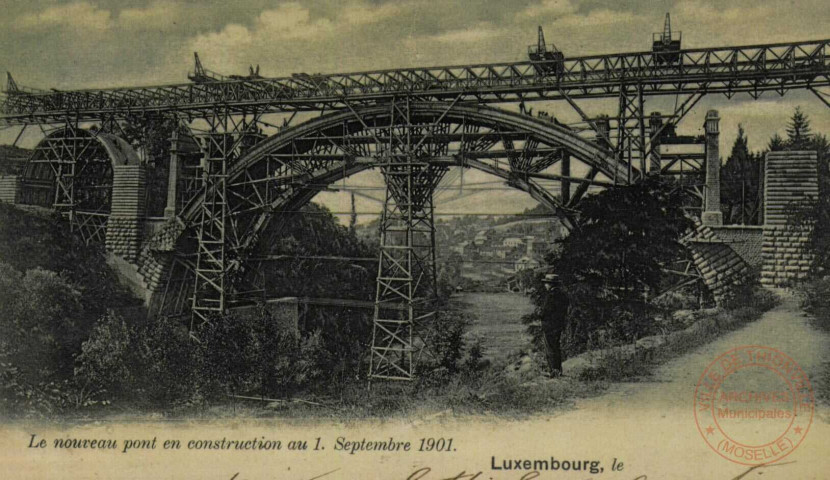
[(729, 70)]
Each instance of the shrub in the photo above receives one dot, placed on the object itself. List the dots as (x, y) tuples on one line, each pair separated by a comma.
[(104, 360), (446, 339), (167, 363), (292, 363), (817, 301), (616, 362)]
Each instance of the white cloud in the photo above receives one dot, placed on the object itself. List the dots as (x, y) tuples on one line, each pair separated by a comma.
[(479, 33), (290, 20), (85, 17), (293, 21), (599, 18), (548, 8), (363, 14), (157, 16), (292, 34), (80, 16)]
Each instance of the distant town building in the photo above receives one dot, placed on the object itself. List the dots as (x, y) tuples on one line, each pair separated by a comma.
[(511, 242), (481, 238), (461, 248), (529, 241), (526, 263)]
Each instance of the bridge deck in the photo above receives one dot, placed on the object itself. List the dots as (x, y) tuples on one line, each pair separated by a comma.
[(754, 69)]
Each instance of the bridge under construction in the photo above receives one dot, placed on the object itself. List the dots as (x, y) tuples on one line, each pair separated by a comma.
[(239, 159)]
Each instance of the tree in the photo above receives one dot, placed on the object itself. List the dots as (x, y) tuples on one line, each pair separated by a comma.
[(776, 143), (740, 183), (301, 240), (818, 216), (798, 131), (613, 260)]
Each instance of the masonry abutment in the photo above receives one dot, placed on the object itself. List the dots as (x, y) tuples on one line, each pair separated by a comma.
[(790, 186)]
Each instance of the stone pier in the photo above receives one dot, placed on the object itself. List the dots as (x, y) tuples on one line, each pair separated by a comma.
[(712, 215), (125, 225)]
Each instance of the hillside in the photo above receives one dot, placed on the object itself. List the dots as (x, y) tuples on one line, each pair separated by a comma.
[(29, 241)]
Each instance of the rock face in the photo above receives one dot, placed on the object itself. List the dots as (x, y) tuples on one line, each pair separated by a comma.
[(790, 186)]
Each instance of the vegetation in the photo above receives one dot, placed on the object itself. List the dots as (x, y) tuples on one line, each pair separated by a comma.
[(53, 290), (817, 304), (817, 289), (71, 340), (740, 188), (610, 264), (683, 333)]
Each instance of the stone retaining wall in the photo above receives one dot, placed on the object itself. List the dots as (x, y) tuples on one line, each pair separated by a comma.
[(720, 265), (284, 311), (745, 240), (157, 253)]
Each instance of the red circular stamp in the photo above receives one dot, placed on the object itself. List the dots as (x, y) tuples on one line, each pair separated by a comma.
[(753, 405)]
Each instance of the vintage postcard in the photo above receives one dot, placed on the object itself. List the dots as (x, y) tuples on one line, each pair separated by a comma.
[(414, 239)]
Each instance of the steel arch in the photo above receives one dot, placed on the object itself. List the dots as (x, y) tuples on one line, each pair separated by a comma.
[(350, 162), (286, 170)]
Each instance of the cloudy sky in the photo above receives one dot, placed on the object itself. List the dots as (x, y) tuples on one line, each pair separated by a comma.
[(95, 43)]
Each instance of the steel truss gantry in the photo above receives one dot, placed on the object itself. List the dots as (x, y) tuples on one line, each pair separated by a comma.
[(406, 282), (226, 138)]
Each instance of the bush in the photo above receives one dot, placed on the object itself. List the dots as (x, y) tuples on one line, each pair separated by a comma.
[(237, 354), (445, 343), (295, 363), (167, 364), (104, 360), (817, 301), (41, 329), (53, 289)]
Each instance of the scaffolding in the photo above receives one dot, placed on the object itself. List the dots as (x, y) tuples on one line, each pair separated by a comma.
[(226, 139), (406, 268)]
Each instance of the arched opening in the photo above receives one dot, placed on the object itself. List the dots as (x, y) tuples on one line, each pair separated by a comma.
[(71, 171)]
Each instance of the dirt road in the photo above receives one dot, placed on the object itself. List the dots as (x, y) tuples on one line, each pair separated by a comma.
[(673, 447)]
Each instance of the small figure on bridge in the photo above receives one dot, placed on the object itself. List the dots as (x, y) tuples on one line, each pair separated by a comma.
[(554, 319)]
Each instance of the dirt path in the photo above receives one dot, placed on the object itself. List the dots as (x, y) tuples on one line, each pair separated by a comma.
[(786, 328), (656, 419)]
